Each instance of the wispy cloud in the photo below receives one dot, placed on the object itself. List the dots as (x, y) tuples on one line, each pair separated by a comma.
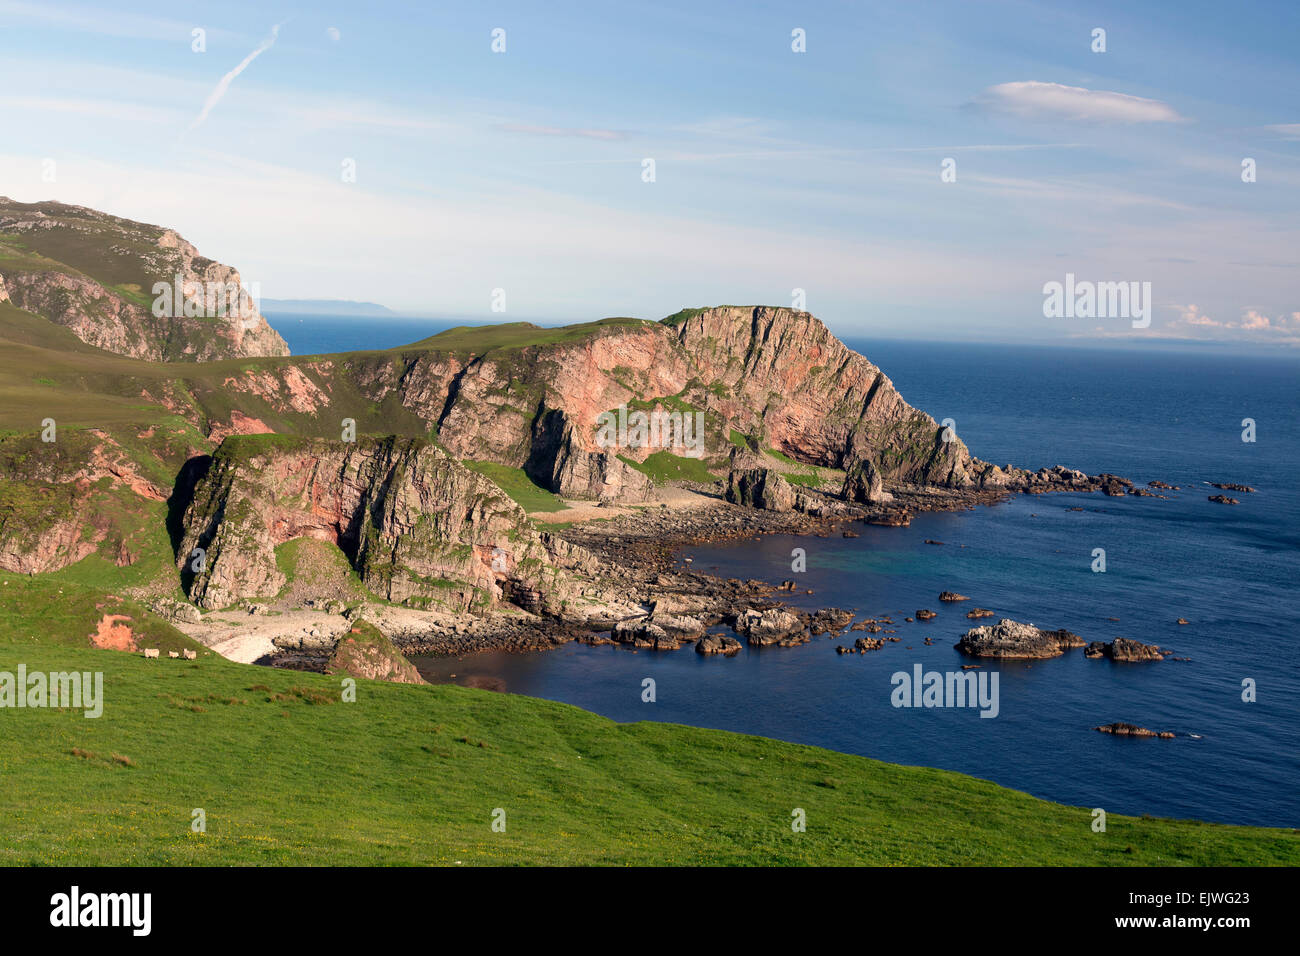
[(1285, 130), (1054, 102), (605, 134), (103, 109), (224, 83), (113, 23)]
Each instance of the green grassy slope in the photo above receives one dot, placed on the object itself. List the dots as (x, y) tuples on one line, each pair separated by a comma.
[(515, 482), (288, 773), (115, 252), (46, 371), (479, 339)]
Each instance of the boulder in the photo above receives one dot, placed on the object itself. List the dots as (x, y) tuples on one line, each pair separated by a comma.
[(761, 488), (829, 619), (1123, 649), (680, 628), (1012, 640), (723, 644), (367, 653), (774, 626), (863, 485), (178, 612), (642, 632)]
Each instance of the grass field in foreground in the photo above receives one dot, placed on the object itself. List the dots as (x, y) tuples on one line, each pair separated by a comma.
[(287, 773)]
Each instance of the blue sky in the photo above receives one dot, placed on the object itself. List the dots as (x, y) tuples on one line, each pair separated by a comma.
[(774, 170)]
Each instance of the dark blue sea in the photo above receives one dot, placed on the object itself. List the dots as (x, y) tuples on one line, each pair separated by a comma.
[(1231, 571)]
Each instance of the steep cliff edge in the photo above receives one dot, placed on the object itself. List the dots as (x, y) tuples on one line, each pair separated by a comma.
[(417, 526), (788, 380), (96, 274), (773, 375)]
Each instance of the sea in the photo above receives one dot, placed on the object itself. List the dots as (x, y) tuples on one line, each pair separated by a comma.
[(1231, 571)]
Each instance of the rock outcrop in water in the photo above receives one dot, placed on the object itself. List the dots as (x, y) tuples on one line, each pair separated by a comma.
[(1012, 640), (1123, 649), (1121, 729)]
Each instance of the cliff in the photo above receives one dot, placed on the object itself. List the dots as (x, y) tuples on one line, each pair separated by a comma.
[(416, 525), (96, 275), (772, 375)]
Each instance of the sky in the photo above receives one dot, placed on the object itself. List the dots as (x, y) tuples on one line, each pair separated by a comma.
[(918, 169)]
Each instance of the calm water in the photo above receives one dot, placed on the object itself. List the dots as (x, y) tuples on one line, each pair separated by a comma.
[(319, 334), (1230, 571)]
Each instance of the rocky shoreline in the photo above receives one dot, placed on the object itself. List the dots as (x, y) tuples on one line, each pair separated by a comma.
[(642, 592), (637, 555)]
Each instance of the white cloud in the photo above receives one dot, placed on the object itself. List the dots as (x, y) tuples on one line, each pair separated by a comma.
[(224, 83), (1035, 100), (1191, 317)]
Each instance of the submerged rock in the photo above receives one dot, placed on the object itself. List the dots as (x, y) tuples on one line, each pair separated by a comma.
[(1133, 730)]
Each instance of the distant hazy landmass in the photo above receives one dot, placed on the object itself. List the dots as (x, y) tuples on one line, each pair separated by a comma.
[(325, 307)]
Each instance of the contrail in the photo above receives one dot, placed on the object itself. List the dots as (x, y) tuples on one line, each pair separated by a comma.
[(224, 83)]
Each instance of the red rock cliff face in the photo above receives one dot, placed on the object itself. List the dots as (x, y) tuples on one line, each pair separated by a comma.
[(772, 373), (417, 525)]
